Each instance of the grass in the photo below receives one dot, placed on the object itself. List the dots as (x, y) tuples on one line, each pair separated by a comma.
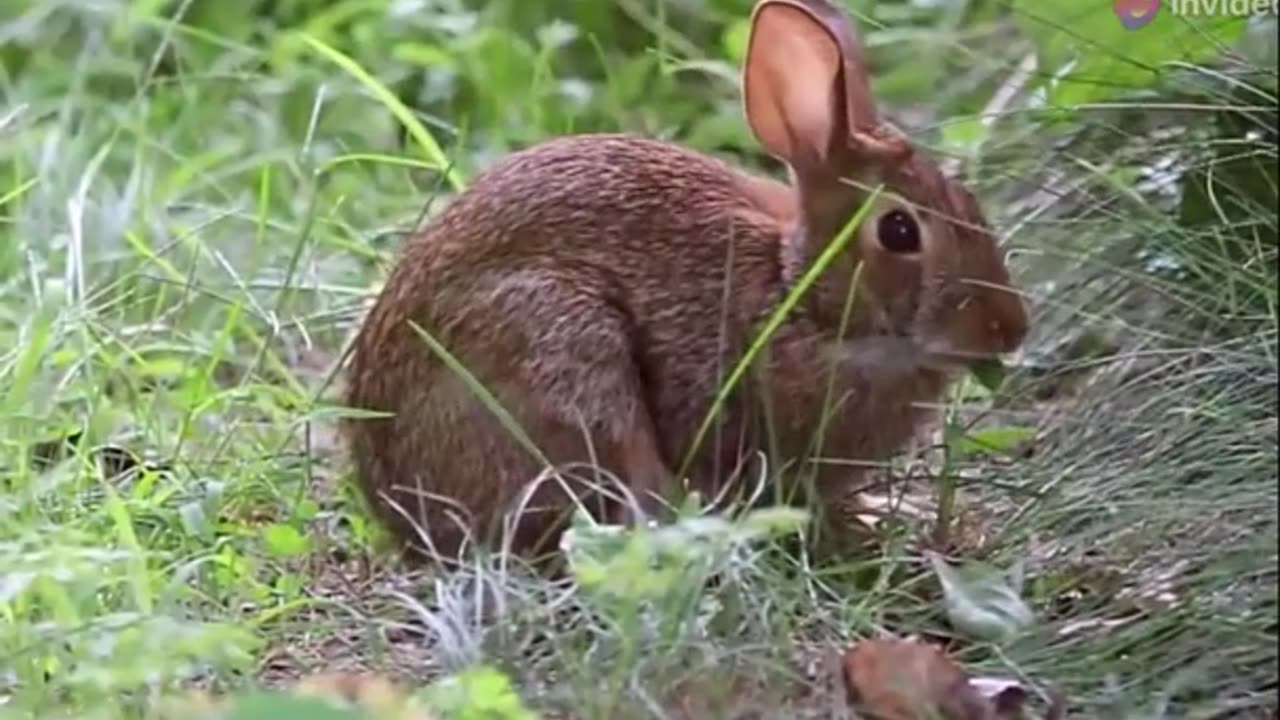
[(195, 206)]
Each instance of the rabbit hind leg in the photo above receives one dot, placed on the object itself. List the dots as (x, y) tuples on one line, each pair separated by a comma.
[(562, 359)]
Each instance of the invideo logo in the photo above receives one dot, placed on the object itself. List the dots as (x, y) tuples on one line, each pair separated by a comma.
[(1134, 14), (1229, 8)]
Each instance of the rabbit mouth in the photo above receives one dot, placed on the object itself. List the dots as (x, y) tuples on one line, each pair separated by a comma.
[(946, 358)]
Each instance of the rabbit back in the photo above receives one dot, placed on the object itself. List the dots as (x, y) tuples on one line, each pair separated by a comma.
[(592, 284)]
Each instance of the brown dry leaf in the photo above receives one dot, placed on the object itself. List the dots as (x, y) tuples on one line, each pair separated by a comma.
[(363, 690), (348, 687), (368, 692), (909, 680), (192, 704), (903, 680)]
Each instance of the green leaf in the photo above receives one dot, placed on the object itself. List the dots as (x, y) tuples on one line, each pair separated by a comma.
[(649, 563), (306, 510), (964, 136), (478, 693), (999, 440), (734, 39), (424, 55), (981, 602), (990, 373), (1102, 59), (775, 521), (285, 541)]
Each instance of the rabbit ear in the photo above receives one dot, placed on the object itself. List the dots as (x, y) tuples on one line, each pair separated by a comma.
[(805, 89)]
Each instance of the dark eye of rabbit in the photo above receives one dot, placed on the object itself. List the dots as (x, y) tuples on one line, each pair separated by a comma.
[(899, 232)]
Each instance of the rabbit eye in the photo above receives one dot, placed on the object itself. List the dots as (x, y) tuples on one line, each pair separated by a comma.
[(899, 232)]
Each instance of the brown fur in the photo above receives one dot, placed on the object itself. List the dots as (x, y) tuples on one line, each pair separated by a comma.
[(602, 286)]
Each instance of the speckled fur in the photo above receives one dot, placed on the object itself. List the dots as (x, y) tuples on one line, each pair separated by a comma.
[(601, 286)]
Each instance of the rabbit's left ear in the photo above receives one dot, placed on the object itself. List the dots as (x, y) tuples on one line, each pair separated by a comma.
[(805, 87)]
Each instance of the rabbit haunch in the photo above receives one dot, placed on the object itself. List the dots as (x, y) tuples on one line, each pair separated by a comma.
[(601, 287)]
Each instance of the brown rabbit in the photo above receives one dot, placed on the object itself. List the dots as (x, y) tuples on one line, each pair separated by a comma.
[(601, 287)]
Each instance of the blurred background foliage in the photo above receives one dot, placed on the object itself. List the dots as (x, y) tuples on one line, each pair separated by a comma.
[(487, 77)]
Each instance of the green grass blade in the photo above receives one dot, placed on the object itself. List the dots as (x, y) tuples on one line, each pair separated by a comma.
[(420, 134), (829, 254)]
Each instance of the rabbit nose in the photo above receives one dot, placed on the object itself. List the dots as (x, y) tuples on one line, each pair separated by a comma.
[(1008, 324)]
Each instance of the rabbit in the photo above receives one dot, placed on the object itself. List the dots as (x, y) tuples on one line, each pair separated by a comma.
[(600, 287)]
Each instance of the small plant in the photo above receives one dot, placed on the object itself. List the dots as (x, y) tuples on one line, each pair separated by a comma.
[(477, 693), (650, 583), (650, 563)]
